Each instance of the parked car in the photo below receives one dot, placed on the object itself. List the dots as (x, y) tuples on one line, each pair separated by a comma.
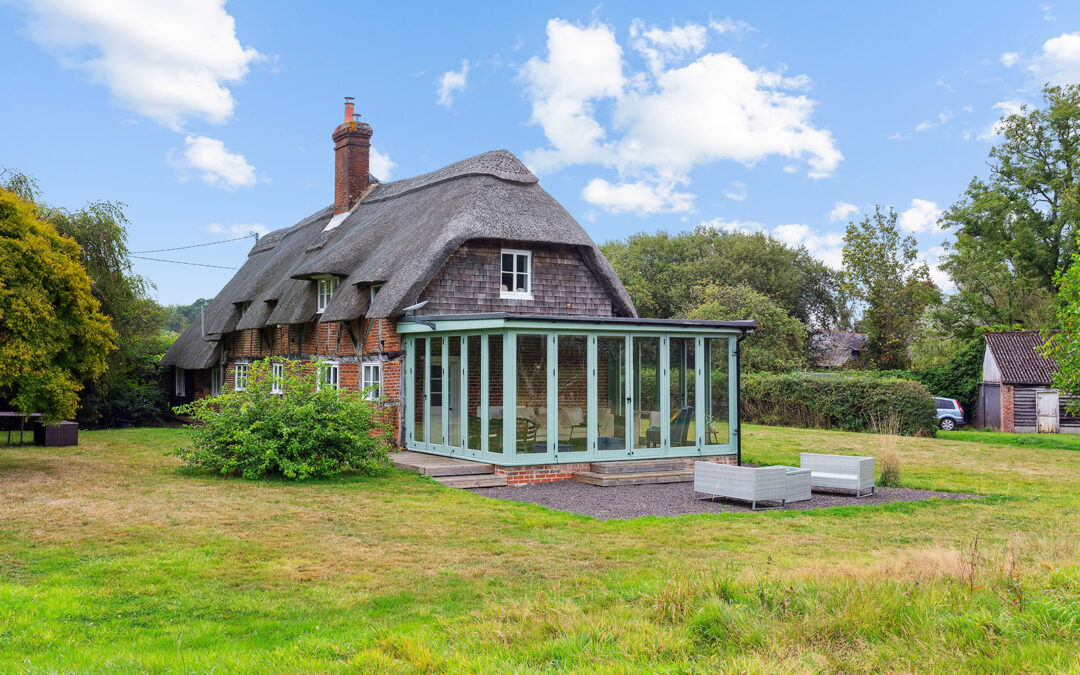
[(950, 413)]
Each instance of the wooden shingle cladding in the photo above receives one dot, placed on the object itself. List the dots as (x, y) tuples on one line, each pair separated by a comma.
[(562, 283)]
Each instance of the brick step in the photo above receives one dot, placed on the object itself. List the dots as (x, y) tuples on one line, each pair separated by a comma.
[(639, 466), (639, 478), (474, 481)]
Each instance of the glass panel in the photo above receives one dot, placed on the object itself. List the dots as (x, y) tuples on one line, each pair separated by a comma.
[(472, 399), (435, 381), (573, 393), (522, 263), (681, 396), (646, 392), (531, 412), (507, 262), (453, 376), (508, 281), (495, 393), (611, 393), (716, 374), (419, 430)]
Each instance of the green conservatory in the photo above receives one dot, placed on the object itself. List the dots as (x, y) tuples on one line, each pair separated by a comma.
[(514, 390)]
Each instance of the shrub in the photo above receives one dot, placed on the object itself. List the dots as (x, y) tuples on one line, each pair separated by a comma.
[(848, 402), (888, 454), (303, 432)]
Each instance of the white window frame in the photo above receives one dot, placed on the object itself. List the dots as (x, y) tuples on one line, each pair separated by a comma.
[(216, 374), (374, 290), (277, 376), (331, 371), (325, 288), (371, 375), (512, 293), (181, 382), (240, 377)]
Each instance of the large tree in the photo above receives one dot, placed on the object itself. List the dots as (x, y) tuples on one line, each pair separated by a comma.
[(129, 386), (882, 272), (663, 273), (778, 343), (53, 336), (1016, 230)]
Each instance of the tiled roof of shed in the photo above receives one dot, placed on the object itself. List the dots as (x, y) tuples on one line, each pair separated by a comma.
[(1017, 357)]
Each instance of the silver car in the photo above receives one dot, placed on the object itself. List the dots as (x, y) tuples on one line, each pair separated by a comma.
[(950, 413)]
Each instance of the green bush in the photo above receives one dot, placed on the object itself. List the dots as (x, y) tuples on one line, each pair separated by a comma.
[(846, 402), (303, 432)]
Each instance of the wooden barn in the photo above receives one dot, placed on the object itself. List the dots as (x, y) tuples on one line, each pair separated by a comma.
[(1017, 393)]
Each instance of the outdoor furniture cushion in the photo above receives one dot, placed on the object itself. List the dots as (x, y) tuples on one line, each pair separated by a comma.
[(843, 472), (745, 483)]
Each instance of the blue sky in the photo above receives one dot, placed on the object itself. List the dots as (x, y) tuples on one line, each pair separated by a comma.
[(210, 120)]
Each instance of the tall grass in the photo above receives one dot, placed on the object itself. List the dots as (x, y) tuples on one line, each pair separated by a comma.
[(887, 435)]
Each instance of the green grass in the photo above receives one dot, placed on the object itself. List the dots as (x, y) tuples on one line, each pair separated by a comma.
[(111, 559), (1047, 441)]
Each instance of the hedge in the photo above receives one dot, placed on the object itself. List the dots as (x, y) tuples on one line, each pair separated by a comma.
[(845, 402)]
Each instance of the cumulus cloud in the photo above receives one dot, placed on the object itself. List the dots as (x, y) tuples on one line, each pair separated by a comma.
[(216, 165), (1003, 109), (382, 167), (169, 60), (828, 247), (921, 216), (1010, 59), (452, 81), (237, 230), (1058, 62), (842, 211), (687, 108), (638, 197)]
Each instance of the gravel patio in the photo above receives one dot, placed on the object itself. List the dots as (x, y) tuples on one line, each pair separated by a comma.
[(676, 499)]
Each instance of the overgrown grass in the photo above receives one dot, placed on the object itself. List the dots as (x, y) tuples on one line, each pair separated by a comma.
[(1048, 441), (111, 559)]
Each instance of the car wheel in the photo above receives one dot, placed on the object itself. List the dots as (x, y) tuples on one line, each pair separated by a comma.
[(947, 424)]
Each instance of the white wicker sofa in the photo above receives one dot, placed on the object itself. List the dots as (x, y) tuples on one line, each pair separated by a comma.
[(746, 483), (839, 472)]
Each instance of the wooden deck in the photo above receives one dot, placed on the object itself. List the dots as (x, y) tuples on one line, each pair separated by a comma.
[(449, 471)]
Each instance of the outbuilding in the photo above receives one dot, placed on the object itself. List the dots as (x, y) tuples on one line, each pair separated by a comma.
[(1017, 393)]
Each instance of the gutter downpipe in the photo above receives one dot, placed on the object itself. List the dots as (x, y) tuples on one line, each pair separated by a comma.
[(738, 396)]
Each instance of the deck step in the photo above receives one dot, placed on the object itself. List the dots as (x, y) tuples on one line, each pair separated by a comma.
[(634, 478), (474, 481), (435, 465), (639, 466)]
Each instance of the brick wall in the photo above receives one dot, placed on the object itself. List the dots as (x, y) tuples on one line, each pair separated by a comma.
[(470, 282), (549, 473), (1008, 424)]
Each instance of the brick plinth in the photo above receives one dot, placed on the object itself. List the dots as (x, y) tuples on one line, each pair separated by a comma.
[(1008, 423), (549, 473)]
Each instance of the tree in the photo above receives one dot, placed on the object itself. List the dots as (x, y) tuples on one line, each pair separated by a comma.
[(129, 386), (1016, 231), (662, 273), (1063, 347), (53, 336), (779, 343), (179, 317), (881, 272)]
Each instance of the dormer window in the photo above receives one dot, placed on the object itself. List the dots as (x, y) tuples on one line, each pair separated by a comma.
[(374, 290), (326, 291), (516, 278), (244, 307)]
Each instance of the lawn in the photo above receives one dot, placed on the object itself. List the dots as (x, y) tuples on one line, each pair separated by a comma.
[(113, 559)]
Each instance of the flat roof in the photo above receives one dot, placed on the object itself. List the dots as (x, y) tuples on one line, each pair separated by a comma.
[(607, 320)]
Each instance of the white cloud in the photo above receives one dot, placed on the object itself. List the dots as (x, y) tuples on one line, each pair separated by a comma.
[(166, 59), (382, 167), (237, 230), (452, 81), (842, 211), (932, 257), (921, 216), (1003, 109), (1010, 59), (736, 191), (942, 119), (1059, 60), (828, 247), (666, 120), (728, 25), (218, 166), (639, 197)]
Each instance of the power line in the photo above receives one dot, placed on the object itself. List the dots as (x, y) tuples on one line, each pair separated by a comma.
[(209, 243), (181, 262)]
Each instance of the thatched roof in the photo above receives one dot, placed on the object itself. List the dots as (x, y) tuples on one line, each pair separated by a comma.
[(399, 235)]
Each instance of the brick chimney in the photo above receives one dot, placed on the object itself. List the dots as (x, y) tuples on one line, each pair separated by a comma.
[(352, 143)]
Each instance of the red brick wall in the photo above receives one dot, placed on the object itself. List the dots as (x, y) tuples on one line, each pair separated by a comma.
[(1008, 423), (549, 473)]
